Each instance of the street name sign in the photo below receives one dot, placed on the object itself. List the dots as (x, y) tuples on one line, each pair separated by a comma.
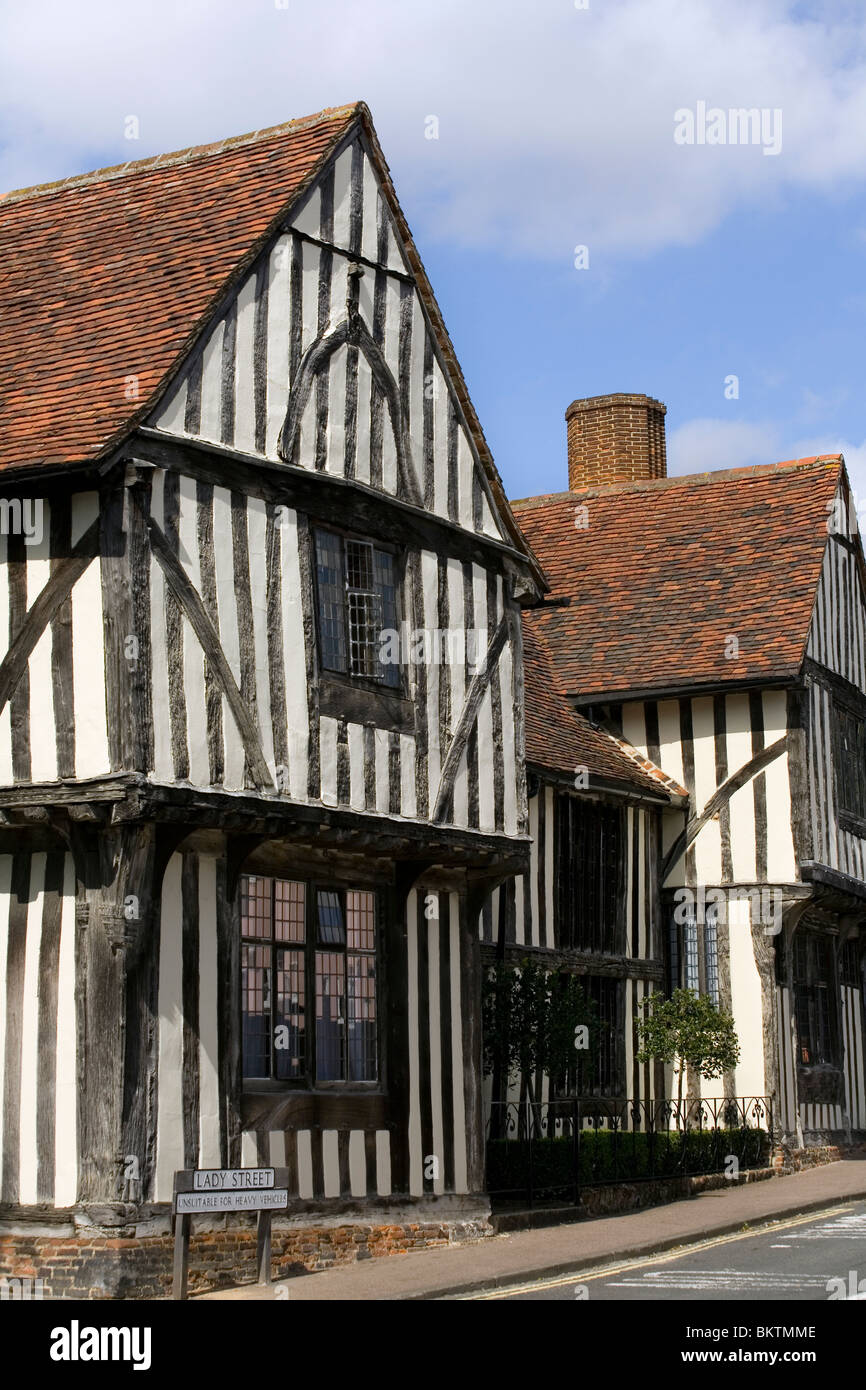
[(204, 1191), (231, 1179)]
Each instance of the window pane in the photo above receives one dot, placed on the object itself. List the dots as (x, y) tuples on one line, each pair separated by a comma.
[(330, 1016), (674, 977), (365, 610), (851, 732), (364, 629), (360, 920), (332, 930), (386, 589), (362, 1017), (289, 905), (359, 565), (256, 906), (256, 1010), (332, 600), (690, 952), (711, 945), (289, 1015)]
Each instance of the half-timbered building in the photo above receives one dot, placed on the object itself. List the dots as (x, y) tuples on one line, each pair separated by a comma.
[(261, 709), (590, 901), (300, 729), (716, 624)]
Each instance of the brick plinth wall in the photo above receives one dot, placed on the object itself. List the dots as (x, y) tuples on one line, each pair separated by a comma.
[(615, 439), (129, 1266)]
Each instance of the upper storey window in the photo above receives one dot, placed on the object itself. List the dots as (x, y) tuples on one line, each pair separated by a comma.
[(851, 761), (356, 584)]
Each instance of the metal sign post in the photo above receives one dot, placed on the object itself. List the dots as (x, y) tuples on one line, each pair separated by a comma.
[(204, 1190)]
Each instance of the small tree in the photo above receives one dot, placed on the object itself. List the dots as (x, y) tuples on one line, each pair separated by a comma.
[(688, 1029)]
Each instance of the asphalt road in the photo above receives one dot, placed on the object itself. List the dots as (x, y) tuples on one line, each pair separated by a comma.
[(795, 1260)]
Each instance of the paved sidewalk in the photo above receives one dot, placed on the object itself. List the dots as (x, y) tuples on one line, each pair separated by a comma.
[(506, 1259)]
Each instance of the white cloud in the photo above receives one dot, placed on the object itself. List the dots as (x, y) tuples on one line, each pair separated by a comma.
[(556, 124), (701, 445)]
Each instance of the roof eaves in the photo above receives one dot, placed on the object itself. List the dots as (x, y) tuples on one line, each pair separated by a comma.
[(765, 680), (635, 788), (649, 768)]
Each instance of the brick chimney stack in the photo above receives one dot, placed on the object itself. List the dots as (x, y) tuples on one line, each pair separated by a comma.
[(615, 439)]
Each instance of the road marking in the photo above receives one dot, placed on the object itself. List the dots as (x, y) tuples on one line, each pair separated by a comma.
[(724, 1280), (586, 1276)]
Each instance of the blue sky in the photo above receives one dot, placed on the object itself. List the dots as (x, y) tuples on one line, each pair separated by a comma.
[(555, 129)]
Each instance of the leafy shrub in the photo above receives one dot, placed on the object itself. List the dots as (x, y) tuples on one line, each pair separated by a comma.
[(606, 1155)]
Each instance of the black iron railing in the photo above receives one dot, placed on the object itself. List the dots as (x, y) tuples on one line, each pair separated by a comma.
[(548, 1151)]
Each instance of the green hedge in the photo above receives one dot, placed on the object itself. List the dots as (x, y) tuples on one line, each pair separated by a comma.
[(620, 1156)]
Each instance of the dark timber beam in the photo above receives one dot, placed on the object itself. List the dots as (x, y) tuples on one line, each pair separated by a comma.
[(352, 332), (721, 796), (191, 603), (119, 873), (329, 498), (474, 696), (43, 609)]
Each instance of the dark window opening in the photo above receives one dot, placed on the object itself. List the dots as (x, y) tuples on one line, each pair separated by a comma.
[(815, 999), (308, 952), (589, 876), (851, 761), (601, 1074), (356, 585)]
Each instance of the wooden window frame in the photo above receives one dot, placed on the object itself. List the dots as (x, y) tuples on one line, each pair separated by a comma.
[(706, 933), (851, 817), (308, 1081), (335, 678)]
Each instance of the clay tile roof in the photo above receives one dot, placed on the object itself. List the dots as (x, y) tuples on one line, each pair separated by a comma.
[(558, 739), (109, 275), (665, 571)]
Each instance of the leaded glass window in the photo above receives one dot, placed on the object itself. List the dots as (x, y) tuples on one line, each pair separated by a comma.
[(357, 604), (307, 952)]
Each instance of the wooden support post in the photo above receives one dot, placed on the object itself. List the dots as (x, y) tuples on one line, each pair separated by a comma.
[(263, 1247), (181, 1256)]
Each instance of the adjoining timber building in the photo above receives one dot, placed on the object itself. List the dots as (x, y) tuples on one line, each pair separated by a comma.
[(253, 862)]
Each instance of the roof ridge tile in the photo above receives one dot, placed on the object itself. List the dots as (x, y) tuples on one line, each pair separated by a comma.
[(212, 148), (747, 473)]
